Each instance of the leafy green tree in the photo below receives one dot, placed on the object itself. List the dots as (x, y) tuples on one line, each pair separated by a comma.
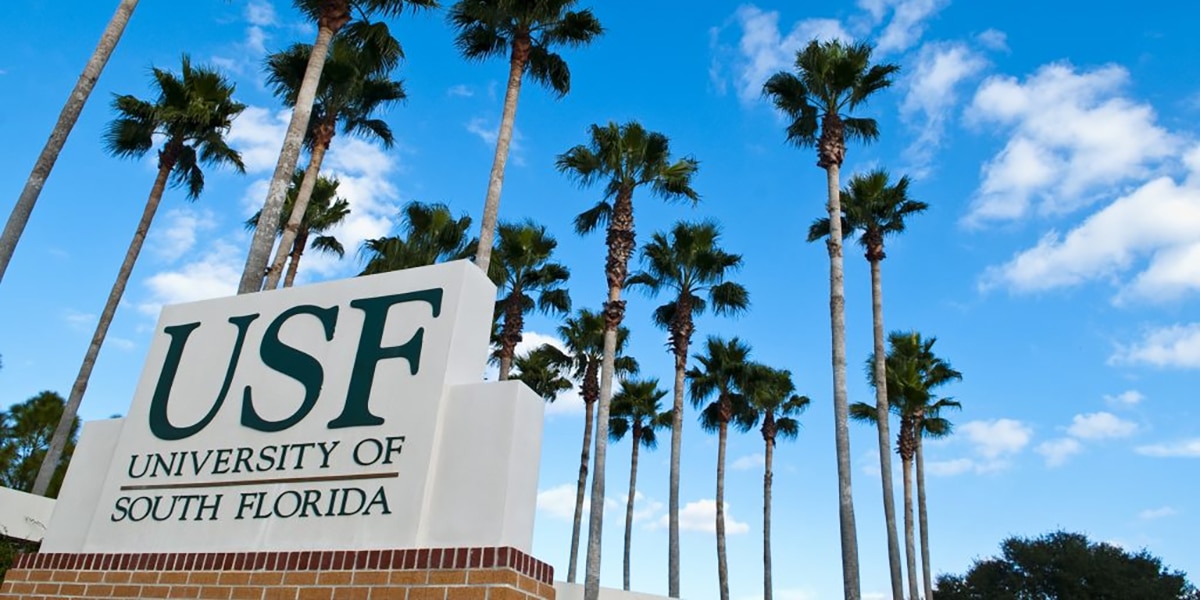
[(831, 79), (62, 128), (636, 411), (325, 211), (1066, 566), (527, 279), (875, 208), (527, 32), (431, 234), (722, 372), (583, 340), (191, 115), (354, 86), (25, 432), (690, 264), (330, 17), (623, 158), (773, 396)]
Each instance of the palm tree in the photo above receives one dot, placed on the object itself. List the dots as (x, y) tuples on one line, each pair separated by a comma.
[(354, 86), (723, 371), (913, 372), (62, 128), (583, 339), (325, 211), (773, 396), (540, 370), (636, 411), (522, 270), (690, 264), (432, 234), (831, 78), (527, 31), (874, 208), (191, 115), (626, 157), (330, 16)]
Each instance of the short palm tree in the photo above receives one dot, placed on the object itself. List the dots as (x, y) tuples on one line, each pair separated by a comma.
[(539, 369), (623, 158), (874, 208), (354, 86), (325, 211), (527, 32), (636, 411), (722, 372), (913, 372), (691, 265), (832, 78), (583, 340), (773, 396), (431, 234), (528, 279), (191, 115), (330, 17), (62, 128)]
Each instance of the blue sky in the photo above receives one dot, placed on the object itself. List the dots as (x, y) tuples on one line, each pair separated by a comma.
[(1057, 266)]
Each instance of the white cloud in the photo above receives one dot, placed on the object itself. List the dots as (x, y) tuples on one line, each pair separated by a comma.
[(215, 273), (1074, 137), (1058, 451), (1173, 346), (907, 24), (1157, 513), (1125, 399), (461, 90), (80, 321), (645, 509), (260, 13), (559, 502), (948, 468), (176, 235), (1155, 229), (701, 516), (489, 134), (246, 55), (932, 94), (119, 343), (748, 462), (1181, 449), (1100, 426), (993, 39), (763, 49), (997, 438), (258, 134)]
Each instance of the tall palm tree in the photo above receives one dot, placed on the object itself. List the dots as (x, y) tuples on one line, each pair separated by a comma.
[(325, 211), (527, 279), (527, 32), (722, 372), (636, 411), (832, 78), (583, 339), (691, 265), (330, 16), (431, 234), (354, 85), (539, 369), (62, 128), (913, 372), (623, 157), (874, 208), (773, 396), (191, 116)]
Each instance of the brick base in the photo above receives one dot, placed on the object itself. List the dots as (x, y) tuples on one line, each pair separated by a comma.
[(427, 574)]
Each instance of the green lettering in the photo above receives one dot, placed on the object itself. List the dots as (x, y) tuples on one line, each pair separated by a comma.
[(291, 362)]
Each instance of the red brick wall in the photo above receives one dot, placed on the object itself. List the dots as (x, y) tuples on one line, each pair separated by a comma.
[(426, 574)]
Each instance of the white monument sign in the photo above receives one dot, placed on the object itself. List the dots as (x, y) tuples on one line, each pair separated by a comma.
[(349, 414)]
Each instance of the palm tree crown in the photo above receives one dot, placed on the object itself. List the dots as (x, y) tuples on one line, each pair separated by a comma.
[(873, 207), (432, 234), (539, 369)]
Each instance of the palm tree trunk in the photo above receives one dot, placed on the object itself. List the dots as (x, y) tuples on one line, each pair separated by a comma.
[(268, 218), (676, 453), (768, 476), (841, 411), (580, 488), (63, 430), (62, 128), (510, 336), (909, 546), (297, 252), (299, 208), (491, 204), (923, 520), (885, 437), (633, 464), (722, 566)]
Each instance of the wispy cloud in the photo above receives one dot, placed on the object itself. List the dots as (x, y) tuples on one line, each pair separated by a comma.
[(1151, 514), (481, 128), (1179, 449), (701, 516), (1176, 346)]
